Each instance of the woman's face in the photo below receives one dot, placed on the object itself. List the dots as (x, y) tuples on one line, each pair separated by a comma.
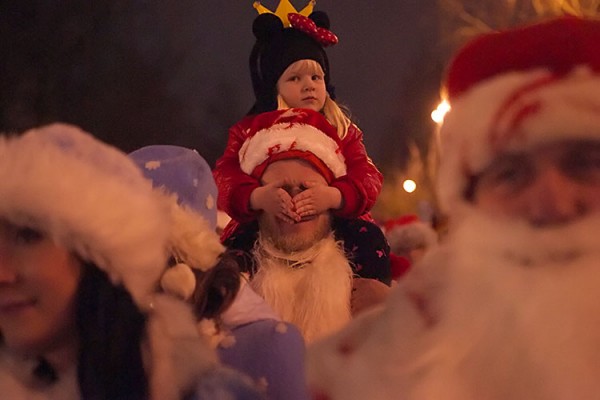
[(38, 285)]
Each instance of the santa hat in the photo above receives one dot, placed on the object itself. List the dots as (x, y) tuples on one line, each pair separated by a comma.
[(516, 89), (292, 133), (399, 266), (408, 232), (186, 180), (89, 198), (277, 47)]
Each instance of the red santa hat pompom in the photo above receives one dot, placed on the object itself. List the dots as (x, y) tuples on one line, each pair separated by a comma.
[(516, 89), (292, 133), (408, 232)]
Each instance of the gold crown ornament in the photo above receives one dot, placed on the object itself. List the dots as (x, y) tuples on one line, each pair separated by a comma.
[(284, 8)]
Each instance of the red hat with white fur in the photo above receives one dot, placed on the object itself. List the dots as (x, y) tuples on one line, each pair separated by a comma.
[(408, 232), (515, 89), (292, 133)]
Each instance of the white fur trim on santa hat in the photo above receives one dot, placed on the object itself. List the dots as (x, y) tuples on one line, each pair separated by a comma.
[(192, 240), (484, 122), (284, 137), (403, 238), (177, 354), (193, 243), (90, 198)]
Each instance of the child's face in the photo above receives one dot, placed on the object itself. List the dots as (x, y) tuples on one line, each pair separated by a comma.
[(302, 85), (38, 283)]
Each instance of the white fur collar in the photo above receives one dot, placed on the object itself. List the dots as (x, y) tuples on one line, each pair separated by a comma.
[(18, 382), (311, 291), (175, 356)]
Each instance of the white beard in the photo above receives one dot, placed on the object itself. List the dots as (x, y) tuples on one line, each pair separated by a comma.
[(517, 316), (310, 289)]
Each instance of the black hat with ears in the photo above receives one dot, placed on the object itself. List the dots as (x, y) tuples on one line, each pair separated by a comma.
[(278, 47)]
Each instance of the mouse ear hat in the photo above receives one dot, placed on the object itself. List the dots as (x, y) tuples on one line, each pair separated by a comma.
[(282, 40)]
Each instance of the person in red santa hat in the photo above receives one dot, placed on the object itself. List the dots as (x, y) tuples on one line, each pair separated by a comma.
[(507, 307), (302, 269), (409, 239)]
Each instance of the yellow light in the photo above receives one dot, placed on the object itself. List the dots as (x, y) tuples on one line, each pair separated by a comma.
[(409, 185), (440, 112)]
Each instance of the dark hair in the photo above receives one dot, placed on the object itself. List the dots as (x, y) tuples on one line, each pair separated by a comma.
[(111, 329), (216, 288)]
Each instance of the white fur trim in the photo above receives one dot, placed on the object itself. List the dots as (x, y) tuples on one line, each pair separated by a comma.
[(569, 109), (179, 280), (178, 354), (410, 236), (192, 239), (327, 276), (90, 198), (17, 380), (285, 137), (470, 324)]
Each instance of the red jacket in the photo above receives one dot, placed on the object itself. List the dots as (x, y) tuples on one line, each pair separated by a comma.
[(360, 187)]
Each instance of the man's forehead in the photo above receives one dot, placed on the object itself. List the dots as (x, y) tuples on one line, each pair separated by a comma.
[(554, 148)]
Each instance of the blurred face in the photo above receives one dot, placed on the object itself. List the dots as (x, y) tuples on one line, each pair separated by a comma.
[(302, 85), (301, 235), (38, 283), (552, 184)]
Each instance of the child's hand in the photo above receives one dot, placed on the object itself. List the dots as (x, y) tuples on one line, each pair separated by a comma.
[(316, 198), (273, 199)]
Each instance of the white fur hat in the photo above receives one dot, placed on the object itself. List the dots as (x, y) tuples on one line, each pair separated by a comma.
[(517, 89), (88, 197), (408, 232)]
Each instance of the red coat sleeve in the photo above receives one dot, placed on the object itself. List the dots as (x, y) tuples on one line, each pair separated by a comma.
[(234, 185), (362, 183)]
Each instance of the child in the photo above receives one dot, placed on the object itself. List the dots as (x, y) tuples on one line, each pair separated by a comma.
[(289, 68)]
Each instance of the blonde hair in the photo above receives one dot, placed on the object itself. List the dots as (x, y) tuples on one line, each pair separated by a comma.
[(334, 113)]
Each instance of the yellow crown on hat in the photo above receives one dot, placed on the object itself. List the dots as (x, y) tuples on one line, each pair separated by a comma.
[(284, 8)]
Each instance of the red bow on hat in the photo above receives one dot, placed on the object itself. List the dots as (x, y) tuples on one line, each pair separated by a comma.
[(308, 26)]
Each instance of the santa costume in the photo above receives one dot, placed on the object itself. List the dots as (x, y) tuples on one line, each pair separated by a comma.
[(503, 309)]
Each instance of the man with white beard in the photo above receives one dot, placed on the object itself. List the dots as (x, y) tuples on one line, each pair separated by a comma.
[(301, 269), (303, 272), (508, 307)]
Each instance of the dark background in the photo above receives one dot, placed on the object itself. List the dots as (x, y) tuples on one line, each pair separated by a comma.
[(137, 72)]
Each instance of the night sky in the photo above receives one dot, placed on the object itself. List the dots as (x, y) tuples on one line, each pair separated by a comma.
[(136, 73)]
